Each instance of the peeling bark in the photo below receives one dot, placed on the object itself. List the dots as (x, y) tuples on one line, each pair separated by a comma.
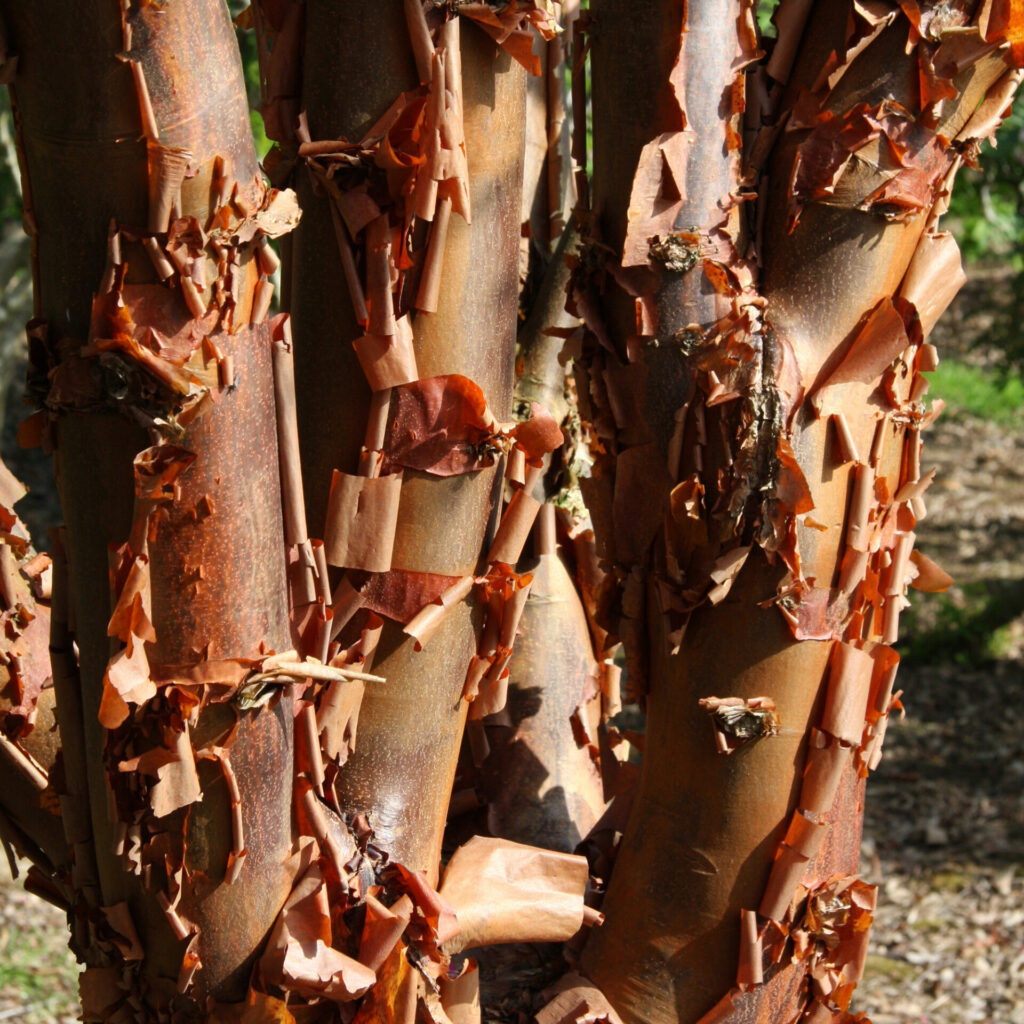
[(756, 263), (780, 463), (101, 134)]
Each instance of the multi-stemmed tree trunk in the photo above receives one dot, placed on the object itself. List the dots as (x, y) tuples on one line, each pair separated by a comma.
[(261, 731)]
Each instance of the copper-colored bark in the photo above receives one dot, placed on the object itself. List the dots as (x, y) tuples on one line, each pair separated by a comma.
[(29, 739), (86, 162), (541, 780), (541, 373), (757, 484), (33, 830), (400, 774), (669, 946), (705, 827)]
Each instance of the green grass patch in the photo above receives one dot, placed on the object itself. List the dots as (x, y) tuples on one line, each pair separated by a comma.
[(930, 926), (969, 625), (977, 391), (886, 967), (37, 971), (951, 880)]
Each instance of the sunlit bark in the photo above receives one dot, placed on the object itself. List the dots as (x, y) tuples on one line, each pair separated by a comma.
[(756, 262), (99, 127), (744, 462)]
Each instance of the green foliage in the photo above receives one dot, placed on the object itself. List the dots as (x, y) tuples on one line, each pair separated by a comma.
[(987, 209), (765, 10), (259, 134), (969, 625), (994, 394), (987, 217)]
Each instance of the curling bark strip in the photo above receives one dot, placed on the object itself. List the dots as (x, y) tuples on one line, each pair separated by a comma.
[(30, 818), (773, 428), (137, 146)]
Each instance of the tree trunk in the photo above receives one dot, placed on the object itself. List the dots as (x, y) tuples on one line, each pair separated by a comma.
[(135, 123), (402, 774), (773, 560)]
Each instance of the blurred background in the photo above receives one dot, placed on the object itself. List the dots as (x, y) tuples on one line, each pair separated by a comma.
[(944, 829)]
